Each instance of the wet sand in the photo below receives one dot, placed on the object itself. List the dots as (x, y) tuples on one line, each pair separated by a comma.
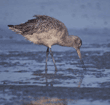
[(28, 94), (24, 80)]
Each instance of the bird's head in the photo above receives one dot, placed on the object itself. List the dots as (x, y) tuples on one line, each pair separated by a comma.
[(77, 44)]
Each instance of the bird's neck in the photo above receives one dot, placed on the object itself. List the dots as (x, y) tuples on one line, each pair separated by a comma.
[(67, 41)]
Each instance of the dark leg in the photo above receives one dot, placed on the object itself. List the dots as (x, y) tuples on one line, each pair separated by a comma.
[(46, 77), (53, 59), (47, 52)]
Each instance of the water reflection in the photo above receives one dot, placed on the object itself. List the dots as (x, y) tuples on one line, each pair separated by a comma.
[(48, 101), (59, 78), (82, 73), (52, 77)]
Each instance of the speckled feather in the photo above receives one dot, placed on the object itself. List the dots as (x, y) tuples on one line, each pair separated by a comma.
[(46, 31), (41, 23)]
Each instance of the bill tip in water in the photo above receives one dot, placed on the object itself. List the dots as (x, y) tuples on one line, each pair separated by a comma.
[(79, 53)]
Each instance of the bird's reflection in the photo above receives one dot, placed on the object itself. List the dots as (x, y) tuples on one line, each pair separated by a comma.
[(49, 101), (52, 77), (82, 73), (53, 100)]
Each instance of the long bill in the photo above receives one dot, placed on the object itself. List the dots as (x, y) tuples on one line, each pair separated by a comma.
[(79, 53)]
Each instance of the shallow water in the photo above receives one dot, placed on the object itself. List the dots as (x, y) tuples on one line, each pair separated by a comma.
[(24, 80)]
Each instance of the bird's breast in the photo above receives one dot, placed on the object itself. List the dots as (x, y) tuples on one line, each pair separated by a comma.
[(48, 39)]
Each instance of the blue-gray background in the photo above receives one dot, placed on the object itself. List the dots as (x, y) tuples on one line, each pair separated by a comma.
[(73, 13), (80, 17), (23, 64)]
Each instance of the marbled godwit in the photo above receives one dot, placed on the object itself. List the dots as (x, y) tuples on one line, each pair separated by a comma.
[(48, 31)]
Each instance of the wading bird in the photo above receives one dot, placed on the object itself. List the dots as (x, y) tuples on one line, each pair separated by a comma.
[(48, 31)]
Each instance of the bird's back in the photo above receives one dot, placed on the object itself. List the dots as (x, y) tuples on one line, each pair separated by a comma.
[(41, 23), (42, 29)]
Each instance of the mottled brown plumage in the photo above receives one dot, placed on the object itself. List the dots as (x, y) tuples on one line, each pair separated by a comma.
[(41, 23), (48, 31)]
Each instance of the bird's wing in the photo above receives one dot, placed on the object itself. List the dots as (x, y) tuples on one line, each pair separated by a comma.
[(41, 23)]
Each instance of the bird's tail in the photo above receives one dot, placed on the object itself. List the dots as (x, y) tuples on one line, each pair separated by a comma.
[(13, 28)]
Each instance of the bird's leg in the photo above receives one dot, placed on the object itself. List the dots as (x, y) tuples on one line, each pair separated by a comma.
[(47, 52), (53, 58)]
